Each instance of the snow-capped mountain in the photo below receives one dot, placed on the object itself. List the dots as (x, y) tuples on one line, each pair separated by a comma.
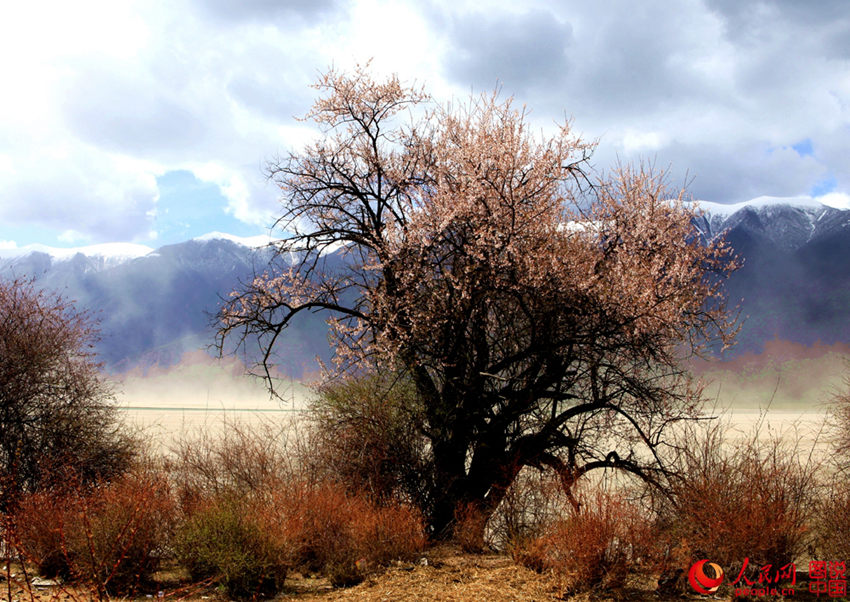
[(156, 304), (38, 258), (795, 281), (788, 223), (114, 250)]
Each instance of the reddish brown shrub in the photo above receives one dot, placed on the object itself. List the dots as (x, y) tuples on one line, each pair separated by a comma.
[(104, 535), (469, 528), (596, 546), (752, 498), (38, 530), (338, 533)]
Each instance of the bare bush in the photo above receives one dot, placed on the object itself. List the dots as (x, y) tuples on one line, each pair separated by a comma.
[(833, 523), (55, 408), (232, 459), (833, 526), (751, 498), (534, 501), (365, 432), (840, 421)]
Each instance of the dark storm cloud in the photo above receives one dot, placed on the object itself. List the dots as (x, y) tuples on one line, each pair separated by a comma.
[(624, 57), (521, 52)]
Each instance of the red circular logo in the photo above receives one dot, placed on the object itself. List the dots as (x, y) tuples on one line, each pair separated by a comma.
[(701, 582)]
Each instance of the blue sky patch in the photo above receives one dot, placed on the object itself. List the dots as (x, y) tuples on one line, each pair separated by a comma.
[(825, 186), (804, 148), (188, 208)]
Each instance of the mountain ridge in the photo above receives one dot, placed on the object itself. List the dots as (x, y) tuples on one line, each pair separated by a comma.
[(157, 305)]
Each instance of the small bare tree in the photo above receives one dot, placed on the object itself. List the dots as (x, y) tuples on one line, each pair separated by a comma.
[(839, 413), (540, 313), (55, 408)]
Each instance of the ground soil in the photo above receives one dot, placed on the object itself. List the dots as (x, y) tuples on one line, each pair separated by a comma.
[(443, 574)]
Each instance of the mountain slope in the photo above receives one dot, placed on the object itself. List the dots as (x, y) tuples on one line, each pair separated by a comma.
[(155, 305), (795, 281)]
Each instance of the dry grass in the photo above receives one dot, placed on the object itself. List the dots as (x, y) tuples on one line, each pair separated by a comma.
[(450, 575)]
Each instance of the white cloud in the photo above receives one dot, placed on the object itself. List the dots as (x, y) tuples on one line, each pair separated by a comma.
[(73, 237), (102, 97), (641, 142), (79, 188), (108, 97), (839, 200)]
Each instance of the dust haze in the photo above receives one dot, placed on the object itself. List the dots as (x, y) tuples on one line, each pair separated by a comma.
[(785, 376), (202, 393), (787, 380)]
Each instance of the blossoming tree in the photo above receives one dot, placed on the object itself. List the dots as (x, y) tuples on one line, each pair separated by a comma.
[(541, 313)]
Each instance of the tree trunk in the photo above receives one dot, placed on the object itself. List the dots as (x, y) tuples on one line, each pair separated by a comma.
[(450, 487), (479, 490)]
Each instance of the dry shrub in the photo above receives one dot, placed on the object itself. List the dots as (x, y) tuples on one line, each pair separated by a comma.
[(751, 498), (469, 528), (533, 501), (594, 546), (833, 523), (839, 419), (340, 534), (833, 526), (234, 458), (107, 535)]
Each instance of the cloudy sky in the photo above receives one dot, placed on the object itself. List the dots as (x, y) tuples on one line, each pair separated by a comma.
[(150, 121)]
